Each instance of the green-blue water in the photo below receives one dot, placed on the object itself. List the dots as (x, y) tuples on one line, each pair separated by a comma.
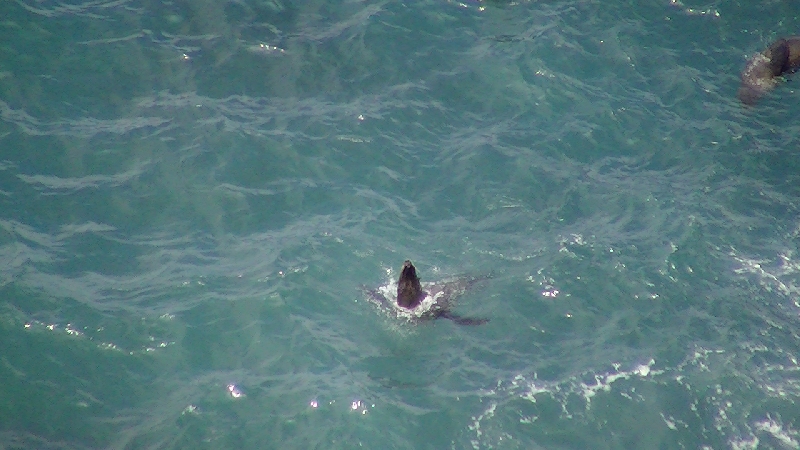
[(193, 196)]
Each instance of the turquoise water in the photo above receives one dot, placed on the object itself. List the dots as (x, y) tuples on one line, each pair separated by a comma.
[(194, 196)]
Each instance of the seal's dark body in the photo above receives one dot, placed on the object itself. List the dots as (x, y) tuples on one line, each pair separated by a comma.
[(761, 73)]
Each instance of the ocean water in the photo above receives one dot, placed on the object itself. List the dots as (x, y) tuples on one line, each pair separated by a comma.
[(194, 196)]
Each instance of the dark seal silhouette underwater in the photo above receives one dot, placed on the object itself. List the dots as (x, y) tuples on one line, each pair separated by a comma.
[(433, 302), (762, 72)]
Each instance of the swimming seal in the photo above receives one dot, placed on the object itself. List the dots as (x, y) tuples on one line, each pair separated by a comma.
[(415, 303), (761, 73)]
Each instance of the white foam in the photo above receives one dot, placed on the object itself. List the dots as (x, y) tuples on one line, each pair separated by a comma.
[(603, 382), (389, 291), (787, 437)]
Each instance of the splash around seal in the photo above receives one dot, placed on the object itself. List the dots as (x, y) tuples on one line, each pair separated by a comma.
[(761, 73)]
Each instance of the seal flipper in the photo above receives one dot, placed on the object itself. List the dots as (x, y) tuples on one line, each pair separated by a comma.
[(462, 320)]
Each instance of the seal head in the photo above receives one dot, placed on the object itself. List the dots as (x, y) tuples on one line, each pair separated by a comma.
[(409, 289)]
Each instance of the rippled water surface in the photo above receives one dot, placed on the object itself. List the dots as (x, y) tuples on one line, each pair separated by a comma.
[(197, 196)]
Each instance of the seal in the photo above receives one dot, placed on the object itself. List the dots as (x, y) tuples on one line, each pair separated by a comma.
[(761, 73), (414, 302)]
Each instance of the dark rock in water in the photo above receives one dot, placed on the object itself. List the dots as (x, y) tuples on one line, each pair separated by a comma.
[(432, 302), (761, 73)]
